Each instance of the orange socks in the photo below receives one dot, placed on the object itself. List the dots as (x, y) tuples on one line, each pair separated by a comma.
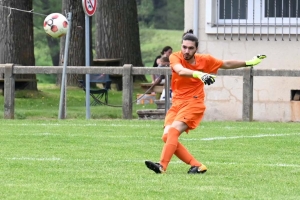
[(169, 147), (181, 152)]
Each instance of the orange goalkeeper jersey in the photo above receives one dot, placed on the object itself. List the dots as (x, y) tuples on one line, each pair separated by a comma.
[(185, 88)]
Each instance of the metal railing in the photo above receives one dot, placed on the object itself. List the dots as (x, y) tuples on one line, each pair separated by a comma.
[(257, 17)]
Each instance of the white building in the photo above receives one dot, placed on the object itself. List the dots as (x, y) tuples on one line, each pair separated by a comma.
[(240, 29)]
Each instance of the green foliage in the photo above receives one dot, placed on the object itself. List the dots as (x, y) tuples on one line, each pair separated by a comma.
[(42, 51), (175, 15), (145, 13), (158, 14), (104, 159), (154, 40)]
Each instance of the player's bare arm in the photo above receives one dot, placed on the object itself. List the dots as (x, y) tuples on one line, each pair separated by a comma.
[(233, 64), (207, 79), (182, 71)]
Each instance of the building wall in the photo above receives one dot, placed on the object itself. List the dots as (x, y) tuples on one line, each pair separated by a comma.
[(272, 95)]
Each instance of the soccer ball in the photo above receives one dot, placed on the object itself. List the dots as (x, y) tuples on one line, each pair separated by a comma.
[(56, 25)]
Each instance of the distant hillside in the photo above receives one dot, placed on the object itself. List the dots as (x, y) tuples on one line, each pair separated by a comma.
[(154, 40)]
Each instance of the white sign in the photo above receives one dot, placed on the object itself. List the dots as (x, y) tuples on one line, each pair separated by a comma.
[(89, 6)]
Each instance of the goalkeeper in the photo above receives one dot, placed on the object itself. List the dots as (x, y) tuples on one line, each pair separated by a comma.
[(190, 72)]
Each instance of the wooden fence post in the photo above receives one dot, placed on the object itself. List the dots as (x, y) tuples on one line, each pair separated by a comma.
[(127, 91), (9, 92), (248, 94)]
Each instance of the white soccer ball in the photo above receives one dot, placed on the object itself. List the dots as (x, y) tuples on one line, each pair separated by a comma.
[(56, 25)]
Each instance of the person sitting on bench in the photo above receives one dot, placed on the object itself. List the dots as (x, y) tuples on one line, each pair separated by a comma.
[(164, 62)]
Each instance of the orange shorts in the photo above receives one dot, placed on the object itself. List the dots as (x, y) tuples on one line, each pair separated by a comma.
[(190, 112)]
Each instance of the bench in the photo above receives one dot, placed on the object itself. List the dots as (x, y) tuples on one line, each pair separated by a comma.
[(157, 89), (148, 114), (117, 79), (20, 84)]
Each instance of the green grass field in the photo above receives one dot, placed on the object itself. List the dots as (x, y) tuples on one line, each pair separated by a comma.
[(104, 159)]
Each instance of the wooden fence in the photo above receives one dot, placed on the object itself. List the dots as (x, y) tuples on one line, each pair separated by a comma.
[(127, 71)]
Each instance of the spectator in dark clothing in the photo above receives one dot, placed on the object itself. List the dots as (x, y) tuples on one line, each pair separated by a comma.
[(166, 52)]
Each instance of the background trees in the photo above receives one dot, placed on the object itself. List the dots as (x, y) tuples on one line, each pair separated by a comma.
[(117, 32), (40, 39), (153, 14), (76, 55), (161, 14), (16, 36)]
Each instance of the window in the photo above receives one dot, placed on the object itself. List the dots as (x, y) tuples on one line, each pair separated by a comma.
[(281, 8), (252, 16), (236, 10)]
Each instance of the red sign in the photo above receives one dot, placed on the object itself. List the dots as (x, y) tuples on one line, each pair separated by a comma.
[(89, 6)]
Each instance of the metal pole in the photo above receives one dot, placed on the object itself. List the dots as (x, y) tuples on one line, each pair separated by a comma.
[(218, 10), (63, 79), (231, 16), (297, 20), (196, 18), (239, 16), (87, 64), (224, 25), (253, 35)]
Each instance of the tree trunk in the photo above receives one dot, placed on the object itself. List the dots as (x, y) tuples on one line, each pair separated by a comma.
[(16, 37), (117, 32), (52, 42), (76, 55)]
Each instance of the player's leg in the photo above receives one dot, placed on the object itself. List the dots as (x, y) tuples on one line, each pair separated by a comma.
[(183, 154), (170, 146), (171, 133), (192, 114), (170, 116)]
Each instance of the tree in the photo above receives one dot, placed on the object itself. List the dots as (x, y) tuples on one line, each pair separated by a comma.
[(76, 55), (117, 32), (16, 36), (46, 7), (145, 13), (161, 14)]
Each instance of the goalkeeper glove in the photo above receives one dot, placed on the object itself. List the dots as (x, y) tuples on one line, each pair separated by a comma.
[(207, 79), (255, 60)]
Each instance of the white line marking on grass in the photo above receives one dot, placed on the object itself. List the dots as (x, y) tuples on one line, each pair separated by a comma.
[(253, 164), (106, 135), (39, 134), (242, 136), (34, 159), (142, 161), (84, 125)]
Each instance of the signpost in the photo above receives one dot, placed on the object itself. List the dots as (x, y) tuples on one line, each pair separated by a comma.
[(63, 97), (89, 7)]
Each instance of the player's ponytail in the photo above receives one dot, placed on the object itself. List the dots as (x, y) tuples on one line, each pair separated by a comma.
[(190, 31)]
